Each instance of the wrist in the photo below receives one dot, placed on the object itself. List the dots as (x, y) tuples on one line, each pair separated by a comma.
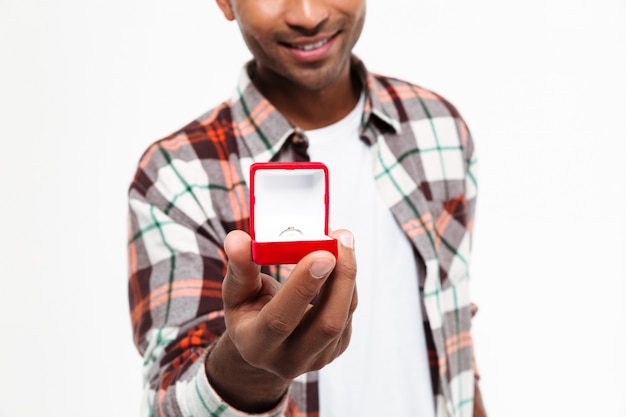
[(240, 384)]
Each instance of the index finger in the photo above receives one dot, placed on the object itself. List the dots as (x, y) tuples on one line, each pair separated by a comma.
[(332, 311), (282, 315)]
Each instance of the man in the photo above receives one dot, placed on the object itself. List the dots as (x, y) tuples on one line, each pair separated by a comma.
[(220, 336)]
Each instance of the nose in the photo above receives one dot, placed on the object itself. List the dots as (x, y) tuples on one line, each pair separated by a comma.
[(307, 15)]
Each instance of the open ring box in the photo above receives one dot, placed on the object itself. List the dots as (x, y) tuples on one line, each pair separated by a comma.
[(289, 211)]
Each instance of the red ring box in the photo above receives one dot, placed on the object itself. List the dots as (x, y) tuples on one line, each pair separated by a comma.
[(289, 198)]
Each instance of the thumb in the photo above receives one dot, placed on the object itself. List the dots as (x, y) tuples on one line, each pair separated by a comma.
[(242, 279)]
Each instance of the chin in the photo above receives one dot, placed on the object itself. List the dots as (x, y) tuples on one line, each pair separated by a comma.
[(317, 79)]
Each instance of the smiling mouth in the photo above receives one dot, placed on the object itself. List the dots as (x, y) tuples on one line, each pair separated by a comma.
[(310, 46)]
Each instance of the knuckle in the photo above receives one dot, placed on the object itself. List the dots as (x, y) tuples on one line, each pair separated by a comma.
[(355, 302), (332, 327), (305, 292), (320, 363), (331, 353), (349, 270), (278, 325), (343, 346)]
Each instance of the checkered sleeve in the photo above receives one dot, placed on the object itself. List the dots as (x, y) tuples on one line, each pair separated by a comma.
[(471, 193), (457, 327), (471, 171), (179, 214)]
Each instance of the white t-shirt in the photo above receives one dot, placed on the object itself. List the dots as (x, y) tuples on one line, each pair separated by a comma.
[(384, 371)]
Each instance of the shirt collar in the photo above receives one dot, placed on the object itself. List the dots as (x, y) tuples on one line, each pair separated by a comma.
[(265, 131)]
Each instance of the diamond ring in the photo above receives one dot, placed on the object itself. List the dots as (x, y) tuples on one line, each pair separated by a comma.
[(291, 231)]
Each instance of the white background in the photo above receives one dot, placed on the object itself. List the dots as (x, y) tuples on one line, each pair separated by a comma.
[(86, 86)]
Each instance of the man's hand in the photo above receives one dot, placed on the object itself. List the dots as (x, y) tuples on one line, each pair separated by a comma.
[(274, 333)]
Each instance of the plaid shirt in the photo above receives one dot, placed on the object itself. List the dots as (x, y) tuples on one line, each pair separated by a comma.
[(191, 189)]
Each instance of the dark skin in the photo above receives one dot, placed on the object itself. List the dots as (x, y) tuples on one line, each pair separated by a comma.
[(274, 333), (313, 88), (314, 108)]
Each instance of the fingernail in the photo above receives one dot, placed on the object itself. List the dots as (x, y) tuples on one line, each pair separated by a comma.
[(347, 239), (321, 268)]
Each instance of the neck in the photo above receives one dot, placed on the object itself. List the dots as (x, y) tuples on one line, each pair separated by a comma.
[(312, 109)]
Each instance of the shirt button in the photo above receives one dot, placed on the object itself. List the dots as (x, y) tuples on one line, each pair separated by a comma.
[(297, 139)]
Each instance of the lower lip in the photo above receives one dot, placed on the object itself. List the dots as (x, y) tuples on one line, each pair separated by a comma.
[(313, 54)]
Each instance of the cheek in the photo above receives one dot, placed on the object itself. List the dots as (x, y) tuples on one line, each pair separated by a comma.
[(265, 53), (257, 25), (355, 8), (360, 15), (353, 11), (259, 15)]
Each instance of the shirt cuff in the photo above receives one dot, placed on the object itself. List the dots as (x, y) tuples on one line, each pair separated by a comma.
[(198, 398)]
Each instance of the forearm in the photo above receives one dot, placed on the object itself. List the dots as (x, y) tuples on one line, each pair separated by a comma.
[(241, 385)]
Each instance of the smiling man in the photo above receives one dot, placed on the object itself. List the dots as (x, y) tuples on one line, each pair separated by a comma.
[(223, 337), (302, 55)]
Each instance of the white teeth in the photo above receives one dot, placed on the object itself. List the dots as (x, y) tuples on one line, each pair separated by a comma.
[(312, 46)]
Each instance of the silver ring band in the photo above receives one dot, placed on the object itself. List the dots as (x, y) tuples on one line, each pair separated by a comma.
[(291, 231)]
